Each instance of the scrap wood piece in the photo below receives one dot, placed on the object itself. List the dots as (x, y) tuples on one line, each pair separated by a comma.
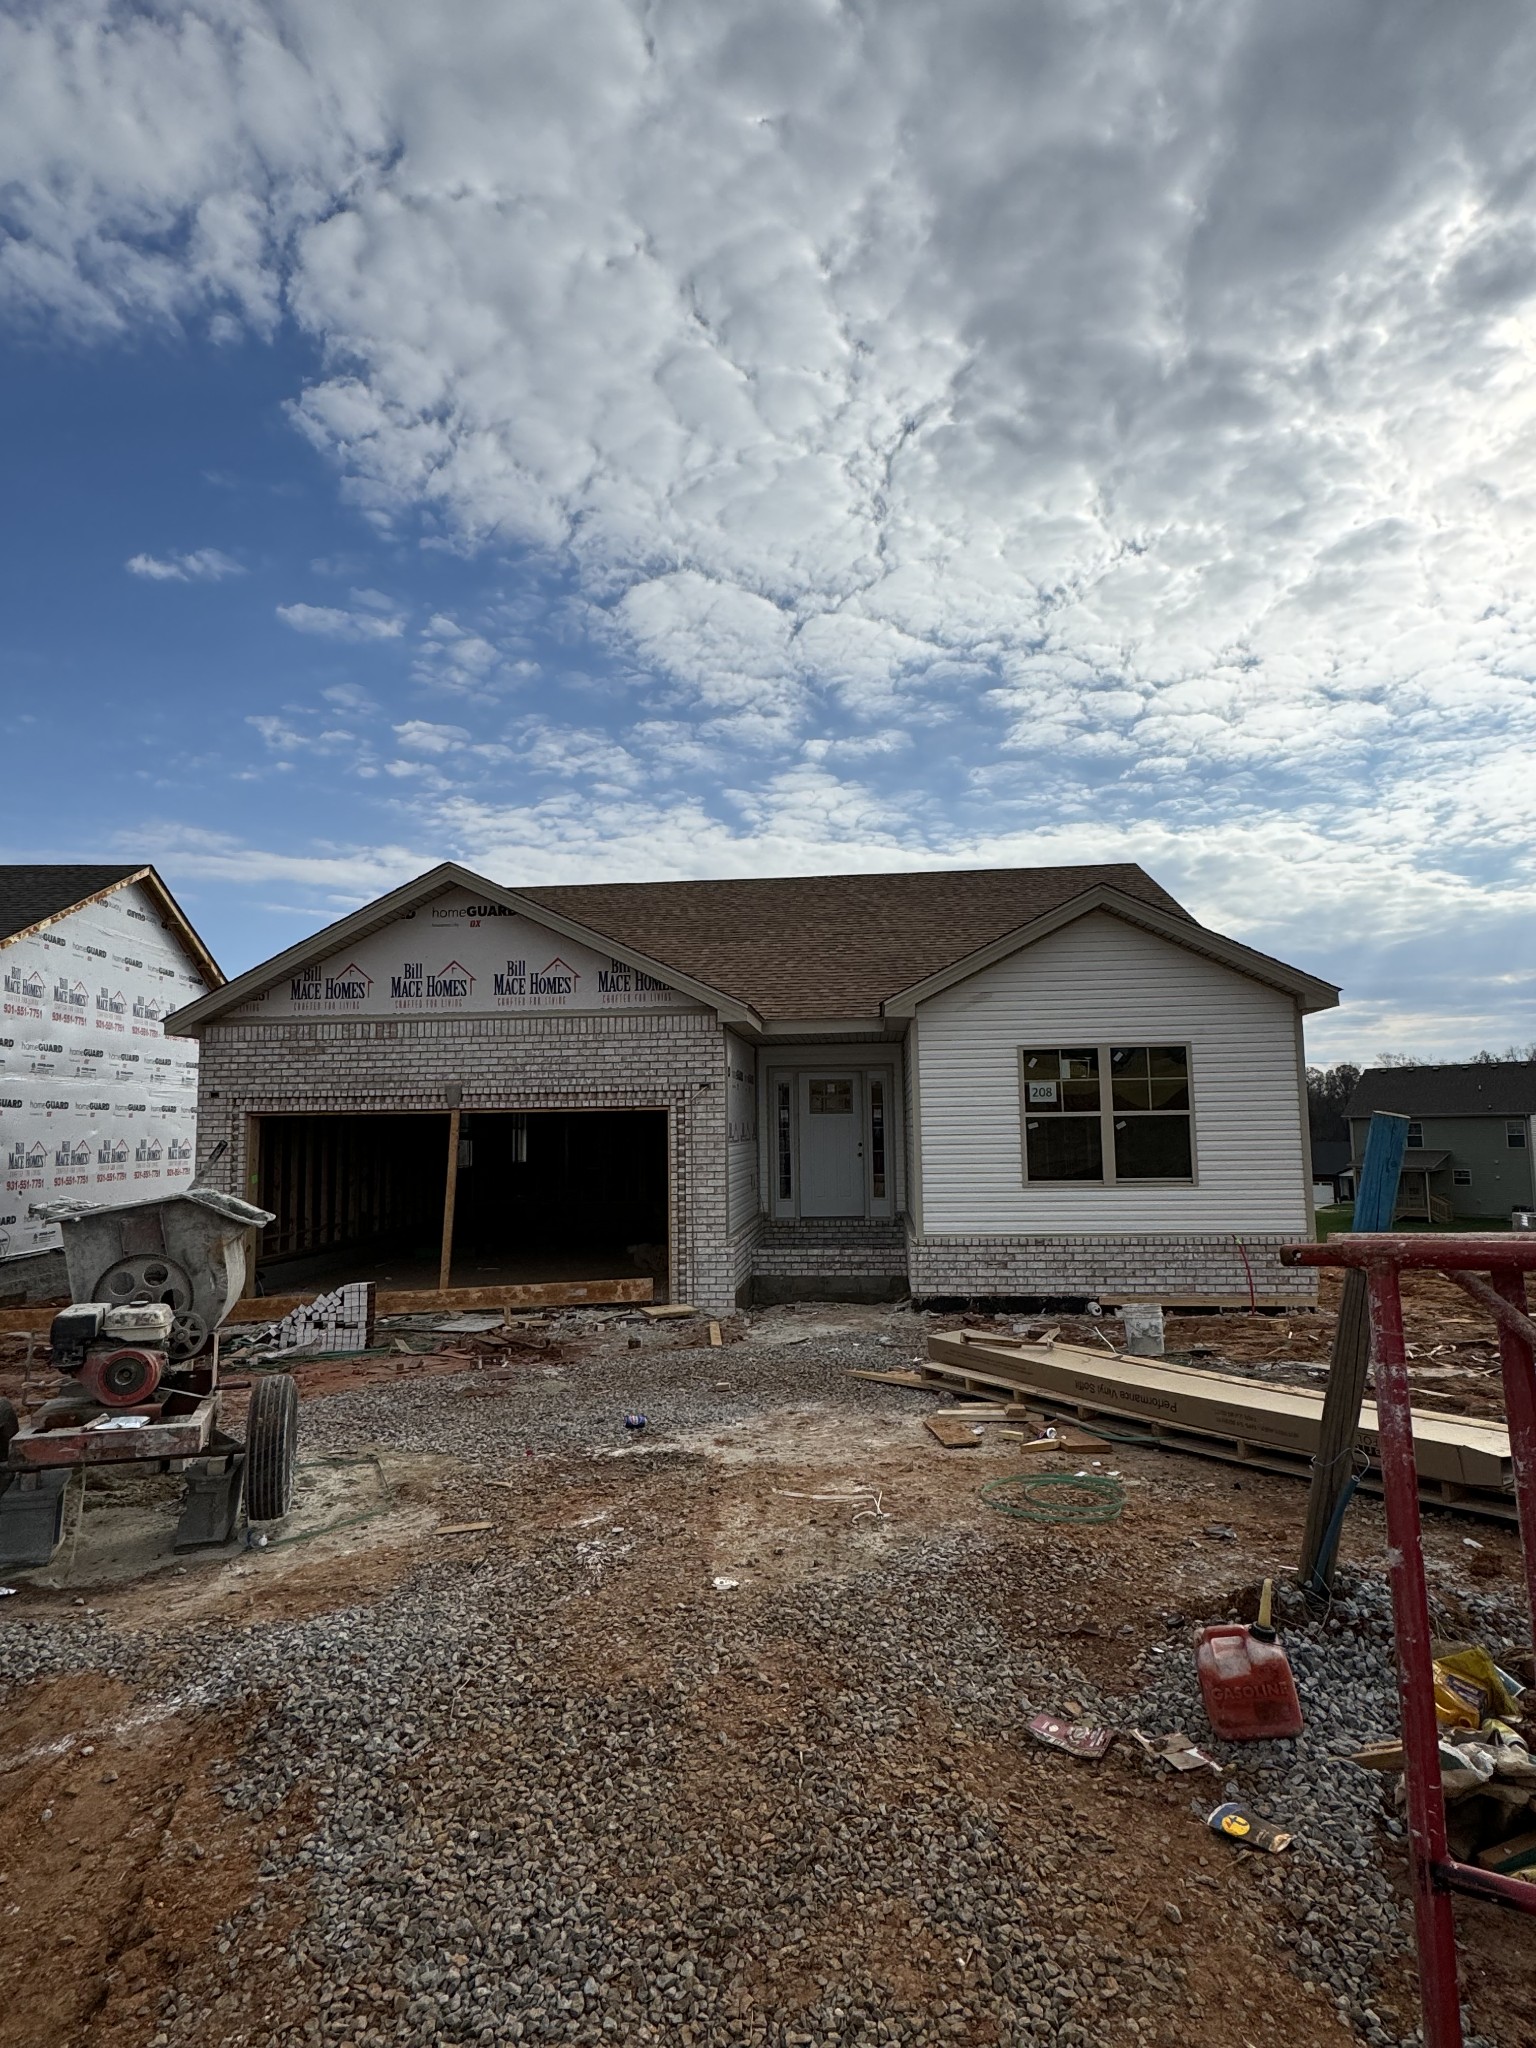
[(954, 1436), (1064, 1440), (464, 1528), (715, 1338), (1386, 1755), (660, 1311)]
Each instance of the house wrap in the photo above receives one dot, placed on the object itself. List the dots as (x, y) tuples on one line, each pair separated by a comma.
[(1047, 1082), (96, 1103)]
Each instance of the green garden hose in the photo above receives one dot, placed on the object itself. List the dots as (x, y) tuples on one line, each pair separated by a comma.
[(1056, 1497)]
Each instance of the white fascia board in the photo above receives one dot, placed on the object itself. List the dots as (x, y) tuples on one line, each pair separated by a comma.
[(830, 1027), (1310, 992), (335, 938)]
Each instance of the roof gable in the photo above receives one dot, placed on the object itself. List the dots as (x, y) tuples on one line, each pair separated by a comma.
[(1180, 930), (33, 897), (451, 941)]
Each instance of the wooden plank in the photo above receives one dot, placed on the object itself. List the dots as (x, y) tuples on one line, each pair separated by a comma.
[(715, 1337), (450, 1202), (1182, 1402), (401, 1301), (954, 1436), (664, 1309), (1339, 1431)]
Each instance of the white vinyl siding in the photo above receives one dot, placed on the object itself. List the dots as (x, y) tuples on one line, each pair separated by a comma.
[(741, 1200), (1103, 981)]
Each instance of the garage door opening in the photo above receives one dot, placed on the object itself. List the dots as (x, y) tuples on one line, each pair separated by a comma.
[(536, 1195)]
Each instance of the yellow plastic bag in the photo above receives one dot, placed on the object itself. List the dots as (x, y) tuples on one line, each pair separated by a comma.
[(1468, 1688)]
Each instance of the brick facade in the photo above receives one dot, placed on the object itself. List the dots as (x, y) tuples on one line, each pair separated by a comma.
[(670, 1061), (1170, 1266)]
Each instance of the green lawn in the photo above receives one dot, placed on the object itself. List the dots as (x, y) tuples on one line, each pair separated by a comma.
[(1342, 1217)]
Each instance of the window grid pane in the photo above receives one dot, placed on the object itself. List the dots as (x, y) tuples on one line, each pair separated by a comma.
[(786, 1180)]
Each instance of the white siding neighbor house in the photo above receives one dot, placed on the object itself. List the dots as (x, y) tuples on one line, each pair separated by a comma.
[(1029, 1084)]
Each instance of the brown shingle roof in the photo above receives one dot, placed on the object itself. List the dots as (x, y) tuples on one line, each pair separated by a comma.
[(29, 894), (831, 945)]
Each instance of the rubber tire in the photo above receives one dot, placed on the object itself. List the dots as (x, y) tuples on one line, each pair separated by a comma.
[(8, 1428), (271, 1447)]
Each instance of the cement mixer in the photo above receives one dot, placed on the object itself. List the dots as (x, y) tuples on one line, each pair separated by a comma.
[(137, 1352)]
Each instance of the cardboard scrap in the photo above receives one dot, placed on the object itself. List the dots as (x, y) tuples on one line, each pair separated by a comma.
[(1083, 1739), (1176, 1749)]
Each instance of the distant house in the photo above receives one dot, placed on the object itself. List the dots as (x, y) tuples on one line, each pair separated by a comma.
[(1469, 1135), (1333, 1171)]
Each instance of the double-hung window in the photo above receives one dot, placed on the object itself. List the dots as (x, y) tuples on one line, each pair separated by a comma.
[(1107, 1113)]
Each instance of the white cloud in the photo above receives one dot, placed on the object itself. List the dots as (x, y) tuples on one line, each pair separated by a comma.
[(457, 659), (422, 738), (202, 565), (1136, 407), (333, 624)]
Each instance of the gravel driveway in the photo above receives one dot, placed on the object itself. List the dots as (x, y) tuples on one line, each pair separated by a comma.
[(674, 1753)]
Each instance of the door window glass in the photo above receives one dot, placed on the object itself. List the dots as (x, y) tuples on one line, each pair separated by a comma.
[(831, 1098)]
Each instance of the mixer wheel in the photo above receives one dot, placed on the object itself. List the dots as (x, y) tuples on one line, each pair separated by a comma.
[(189, 1335), (271, 1447), (150, 1276)]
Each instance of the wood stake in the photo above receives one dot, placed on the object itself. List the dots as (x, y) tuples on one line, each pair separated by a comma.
[(450, 1197), (1339, 1431)]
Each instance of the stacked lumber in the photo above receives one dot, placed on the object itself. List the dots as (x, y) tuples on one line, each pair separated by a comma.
[(1463, 1461)]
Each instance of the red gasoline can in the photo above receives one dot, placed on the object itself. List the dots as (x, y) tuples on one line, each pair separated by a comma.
[(1246, 1680)]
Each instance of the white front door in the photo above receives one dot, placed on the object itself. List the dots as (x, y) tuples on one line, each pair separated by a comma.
[(831, 1145)]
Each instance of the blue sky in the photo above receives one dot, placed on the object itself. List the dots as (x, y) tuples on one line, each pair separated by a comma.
[(588, 441)]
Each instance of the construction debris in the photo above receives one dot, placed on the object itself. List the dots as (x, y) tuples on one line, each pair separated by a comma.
[(1084, 1739), (1236, 1824), (954, 1436), (1462, 1460)]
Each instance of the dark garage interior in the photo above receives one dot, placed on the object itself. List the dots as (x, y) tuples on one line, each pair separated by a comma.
[(540, 1195)]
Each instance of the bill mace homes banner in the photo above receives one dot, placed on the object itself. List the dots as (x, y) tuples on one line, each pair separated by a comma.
[(96, 1103), (457, 956)]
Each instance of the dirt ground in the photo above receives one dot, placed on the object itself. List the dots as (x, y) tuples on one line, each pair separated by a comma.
[(126, 1881)]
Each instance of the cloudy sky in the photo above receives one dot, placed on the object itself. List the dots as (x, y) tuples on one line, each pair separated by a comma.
[(594, 438)]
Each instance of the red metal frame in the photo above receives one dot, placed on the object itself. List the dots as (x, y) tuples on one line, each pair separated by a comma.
[(1506, 1259)]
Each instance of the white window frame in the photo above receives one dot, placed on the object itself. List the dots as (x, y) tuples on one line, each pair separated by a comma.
[(1109, 1178)]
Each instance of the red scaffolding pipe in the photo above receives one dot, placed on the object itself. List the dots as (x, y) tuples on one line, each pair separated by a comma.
[(1506, 1259)]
